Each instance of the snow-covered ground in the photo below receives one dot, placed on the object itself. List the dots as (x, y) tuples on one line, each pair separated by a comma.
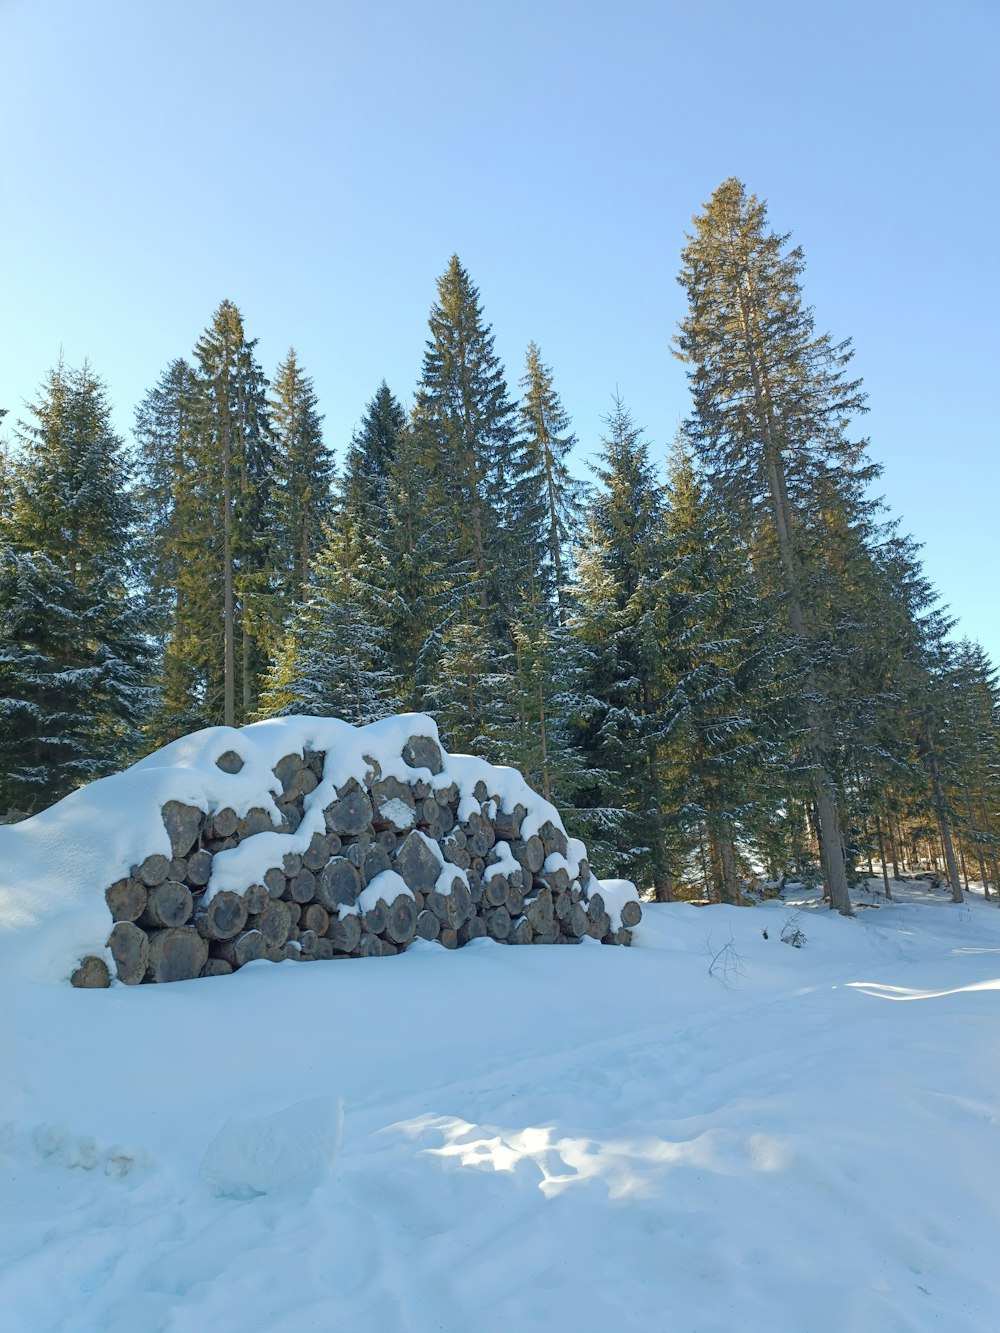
[(521, 1138)]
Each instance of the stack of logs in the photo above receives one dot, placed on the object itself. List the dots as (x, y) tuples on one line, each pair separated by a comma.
[(368, 885)]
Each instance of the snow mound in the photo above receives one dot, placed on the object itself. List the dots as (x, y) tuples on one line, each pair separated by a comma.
[(296, 1146)]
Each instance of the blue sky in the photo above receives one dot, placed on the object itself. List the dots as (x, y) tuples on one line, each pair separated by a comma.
[(317, 163)]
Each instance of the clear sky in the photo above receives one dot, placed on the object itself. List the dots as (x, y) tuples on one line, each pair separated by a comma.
[(317, 163)]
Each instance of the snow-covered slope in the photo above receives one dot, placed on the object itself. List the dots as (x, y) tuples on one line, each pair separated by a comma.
[(586, 1139)]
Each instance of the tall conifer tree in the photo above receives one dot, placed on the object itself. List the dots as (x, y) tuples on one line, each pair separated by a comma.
[(771, 404)]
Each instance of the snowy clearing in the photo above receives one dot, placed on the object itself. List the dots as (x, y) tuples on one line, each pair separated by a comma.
[(576, 1138)]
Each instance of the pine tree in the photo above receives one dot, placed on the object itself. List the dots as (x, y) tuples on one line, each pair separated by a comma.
[(303, 480), (74, 656), (771, 403)]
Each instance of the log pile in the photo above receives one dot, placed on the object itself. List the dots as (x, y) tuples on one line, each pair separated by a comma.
[(395, 861)]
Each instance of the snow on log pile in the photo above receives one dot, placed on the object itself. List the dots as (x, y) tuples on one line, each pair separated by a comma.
[(298, 838)]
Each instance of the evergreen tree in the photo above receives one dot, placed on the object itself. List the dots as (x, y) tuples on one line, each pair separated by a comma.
[(468, 430), (616, 619), (771, 403), (303, 481), (370, 460), (554, 499), (334, 659), (74, 655)]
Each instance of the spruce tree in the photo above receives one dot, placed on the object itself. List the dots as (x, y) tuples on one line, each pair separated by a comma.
[(553, 498), (75, 654), (303, 478), (616, 619), (771, 403)]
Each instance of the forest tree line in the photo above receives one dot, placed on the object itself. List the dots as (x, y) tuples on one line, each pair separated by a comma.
[(731, 667)]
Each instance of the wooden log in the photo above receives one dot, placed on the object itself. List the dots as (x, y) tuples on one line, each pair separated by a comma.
[(307, 942), (562, 905), (473, 929), (184, 824), (540, 913), (374, 920), (356, 853), (557, 880), (167, 904), (129, 947), (514, 902), (216, 845), (338, 885), (126, 899), (448, 937), (428, 926), (177, 954), (428, 810), (553, 839), (304, 887), (416, 862), (274, 923), (508, 824), (631, 913), (242, 949), (498, 923), (315, 917), (291, 864), (216, 967), (92, 974), (229, 761), (302, 784), (534, 854), (225, 823), (351, 814), (257, 897), (177, 869), (276, 882), (199, 869), (286, 768), (317, 854), (222, 917), (478, 845), (154, 870), (376, 861), (495, 891), (423, 752), (323, 950), (256, 820), (576, 922), (393, 805), (316, 760), (521, 932), (345, 933), (294, 913), (388, 840), (401, 921), (457, 856), (289, 816), (421, 789), (369, 946)]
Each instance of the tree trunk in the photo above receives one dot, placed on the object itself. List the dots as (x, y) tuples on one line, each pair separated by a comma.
[(881, 852), (942, 816)]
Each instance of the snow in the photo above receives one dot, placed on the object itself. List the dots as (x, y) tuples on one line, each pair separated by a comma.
[(708, 1131), (387, 886)]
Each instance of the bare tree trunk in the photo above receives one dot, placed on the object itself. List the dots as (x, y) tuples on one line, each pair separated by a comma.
[(892, 846), (881, 852), (942, 816)]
